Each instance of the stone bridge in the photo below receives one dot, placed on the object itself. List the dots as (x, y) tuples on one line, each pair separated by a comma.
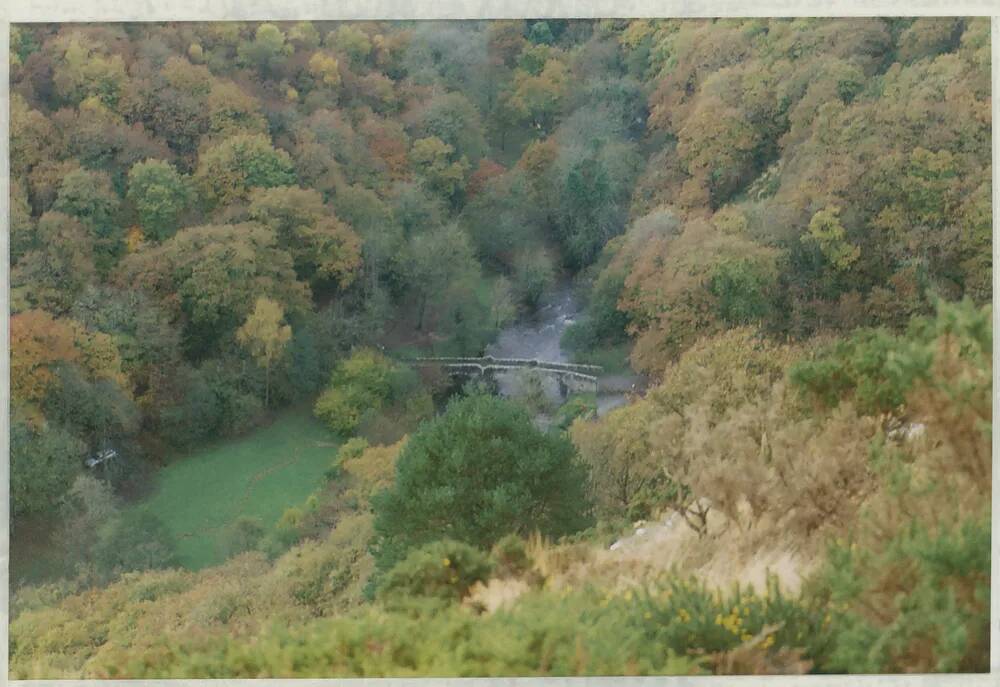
[(570, 377)]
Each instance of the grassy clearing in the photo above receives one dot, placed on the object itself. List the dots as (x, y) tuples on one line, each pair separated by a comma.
[(258, 476)]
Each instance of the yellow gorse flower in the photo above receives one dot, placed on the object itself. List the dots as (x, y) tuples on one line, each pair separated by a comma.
[(731, 622)]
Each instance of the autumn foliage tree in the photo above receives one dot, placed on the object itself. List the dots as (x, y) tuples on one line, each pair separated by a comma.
[(227, 171), (783, 224), (160, 194), (265, 337)]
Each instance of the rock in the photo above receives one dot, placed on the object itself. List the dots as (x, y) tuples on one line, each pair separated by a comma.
[(909, 431)]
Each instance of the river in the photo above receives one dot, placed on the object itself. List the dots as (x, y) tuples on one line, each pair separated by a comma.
[(538, 336)]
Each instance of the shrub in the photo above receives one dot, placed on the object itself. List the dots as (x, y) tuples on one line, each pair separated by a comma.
[(372, 470), (441, 570), (341, 408), (328, 575), (392, 422), (44, 462), (361, 385), (858, 368), (623, 463), (920, 602), (511, 556), (681, 613), (287, 530), (576, 406), (130, 542), (350, 449), (676, 627), (477, 472), (156, 585), (875, 369), (88, 505), (357, 384), (243, 534), (744, 289)]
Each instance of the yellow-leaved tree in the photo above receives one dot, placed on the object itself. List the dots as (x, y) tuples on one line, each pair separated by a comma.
[(265, 337)]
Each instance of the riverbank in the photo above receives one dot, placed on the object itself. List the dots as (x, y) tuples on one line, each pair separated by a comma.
[(539, 336)]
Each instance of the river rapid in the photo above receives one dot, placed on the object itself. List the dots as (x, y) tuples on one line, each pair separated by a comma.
[(538, 336)]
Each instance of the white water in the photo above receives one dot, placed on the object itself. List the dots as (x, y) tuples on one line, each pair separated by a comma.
[(538, 336)]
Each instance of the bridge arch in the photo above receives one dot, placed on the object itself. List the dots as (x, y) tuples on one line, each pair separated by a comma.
[(570, 377)]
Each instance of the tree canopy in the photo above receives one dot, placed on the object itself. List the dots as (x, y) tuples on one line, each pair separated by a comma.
[(479, 471)]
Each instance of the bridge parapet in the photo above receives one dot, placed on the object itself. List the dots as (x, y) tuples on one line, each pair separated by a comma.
[(507, 363), (570, 377)]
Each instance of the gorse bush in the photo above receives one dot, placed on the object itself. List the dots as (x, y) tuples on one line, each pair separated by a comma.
[(684, 613), (909, 587), (875, 368), (442, 570), (855, 366), (543, 637), (922, 602), (511, 556), (675, 626)]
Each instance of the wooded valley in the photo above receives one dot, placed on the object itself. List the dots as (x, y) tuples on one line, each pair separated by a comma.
[(229, 242)]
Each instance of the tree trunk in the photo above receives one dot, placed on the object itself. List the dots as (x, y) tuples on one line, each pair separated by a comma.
[(420, 315)]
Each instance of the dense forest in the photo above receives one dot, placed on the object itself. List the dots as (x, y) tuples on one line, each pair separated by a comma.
[(782, 227)]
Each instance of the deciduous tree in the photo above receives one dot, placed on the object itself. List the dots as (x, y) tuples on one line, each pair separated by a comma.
[(228, 170), (265, 336), (160, 194)]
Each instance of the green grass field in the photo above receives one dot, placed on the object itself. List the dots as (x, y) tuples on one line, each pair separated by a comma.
[(258, 476)]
